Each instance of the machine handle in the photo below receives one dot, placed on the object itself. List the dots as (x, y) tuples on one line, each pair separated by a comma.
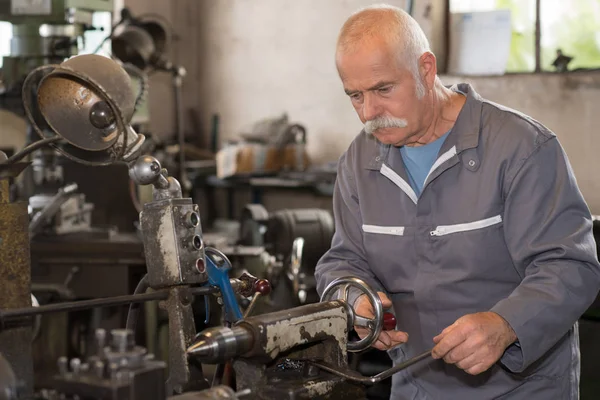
[(262, 287), (389, 321), (218, 276)]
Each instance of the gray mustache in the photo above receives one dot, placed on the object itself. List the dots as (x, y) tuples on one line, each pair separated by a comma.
[(384, 122)]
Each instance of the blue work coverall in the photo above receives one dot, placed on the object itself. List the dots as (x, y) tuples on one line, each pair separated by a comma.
[(499, 226)]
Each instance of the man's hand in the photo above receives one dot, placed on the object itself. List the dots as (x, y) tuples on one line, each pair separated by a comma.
[(474, 342), (386, 339)]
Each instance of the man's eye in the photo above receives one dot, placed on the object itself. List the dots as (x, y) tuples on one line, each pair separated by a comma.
[(385, 89), (355, 96)]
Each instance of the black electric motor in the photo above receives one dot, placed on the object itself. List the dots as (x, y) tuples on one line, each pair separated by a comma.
[(314, 225), (298, 238)]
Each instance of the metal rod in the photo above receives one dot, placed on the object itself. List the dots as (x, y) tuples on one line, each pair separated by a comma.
[(538, 35), (371, 380), (104, 302), (31, 148), (447, 37), (410, 7), (252, 304), (177, 84), (82, 305)]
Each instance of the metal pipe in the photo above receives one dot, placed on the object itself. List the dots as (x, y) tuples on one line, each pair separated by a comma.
[(31, 148), (177, 85), (410, 7), (134, 308), (371, 380), (252, 304)]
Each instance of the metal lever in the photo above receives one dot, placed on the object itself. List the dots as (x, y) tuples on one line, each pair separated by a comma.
[(262, 287), (371, 380)]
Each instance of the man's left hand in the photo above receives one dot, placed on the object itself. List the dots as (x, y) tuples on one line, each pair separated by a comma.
[(474, 342)]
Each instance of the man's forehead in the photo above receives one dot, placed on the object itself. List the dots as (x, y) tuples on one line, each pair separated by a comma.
[(367, 61), (362, 76)]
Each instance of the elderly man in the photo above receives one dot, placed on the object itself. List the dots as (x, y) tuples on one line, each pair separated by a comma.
[(467, 218)]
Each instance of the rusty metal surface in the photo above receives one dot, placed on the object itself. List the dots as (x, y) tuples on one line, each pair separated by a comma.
[(66, 105), (246, 286), (183, 376), (66, 101), (278, 367), (283, 346), (282, 331), (169, 243), (15, 281), (104, 82), (4, 191)]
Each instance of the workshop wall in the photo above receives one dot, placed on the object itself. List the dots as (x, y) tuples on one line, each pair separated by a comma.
[(183, 16)]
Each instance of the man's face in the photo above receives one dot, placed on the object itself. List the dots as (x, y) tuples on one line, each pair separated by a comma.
[(383, 93)]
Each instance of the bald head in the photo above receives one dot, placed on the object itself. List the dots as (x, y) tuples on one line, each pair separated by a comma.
[(390, 25)]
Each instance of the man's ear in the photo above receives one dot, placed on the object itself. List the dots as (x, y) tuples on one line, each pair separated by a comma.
[(428, 69)]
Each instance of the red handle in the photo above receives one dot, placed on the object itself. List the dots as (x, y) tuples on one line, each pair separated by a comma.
[(262, 286), (389, 321)]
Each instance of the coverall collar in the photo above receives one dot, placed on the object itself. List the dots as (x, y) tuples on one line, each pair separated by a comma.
[(464, 134)]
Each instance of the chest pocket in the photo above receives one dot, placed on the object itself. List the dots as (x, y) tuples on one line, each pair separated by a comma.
[(443, 230), (470, 261)]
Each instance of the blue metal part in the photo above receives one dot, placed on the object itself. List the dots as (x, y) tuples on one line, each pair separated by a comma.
[(207, 308), (218, 275)]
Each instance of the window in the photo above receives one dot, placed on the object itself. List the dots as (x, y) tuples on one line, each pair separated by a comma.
[(92, 41), (573, 27), (5, 36)]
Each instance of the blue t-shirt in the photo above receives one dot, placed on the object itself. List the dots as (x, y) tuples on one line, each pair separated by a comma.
[(418, 161)]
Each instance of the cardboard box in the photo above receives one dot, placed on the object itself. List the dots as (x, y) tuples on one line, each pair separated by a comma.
[(247, 159)]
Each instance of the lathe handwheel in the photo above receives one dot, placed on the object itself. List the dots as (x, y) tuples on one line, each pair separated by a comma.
[(344, 284)]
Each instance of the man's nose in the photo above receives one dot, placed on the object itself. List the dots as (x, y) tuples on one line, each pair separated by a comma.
[(370, 108)]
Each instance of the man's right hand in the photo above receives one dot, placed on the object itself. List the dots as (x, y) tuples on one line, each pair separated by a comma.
[(386, 339)]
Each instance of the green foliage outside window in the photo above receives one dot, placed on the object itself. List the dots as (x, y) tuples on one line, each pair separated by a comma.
[(572, 26)]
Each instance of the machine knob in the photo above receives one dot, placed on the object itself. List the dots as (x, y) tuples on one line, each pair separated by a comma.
[(263, 287), (101, 116), (389, 321), (145, 170)]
